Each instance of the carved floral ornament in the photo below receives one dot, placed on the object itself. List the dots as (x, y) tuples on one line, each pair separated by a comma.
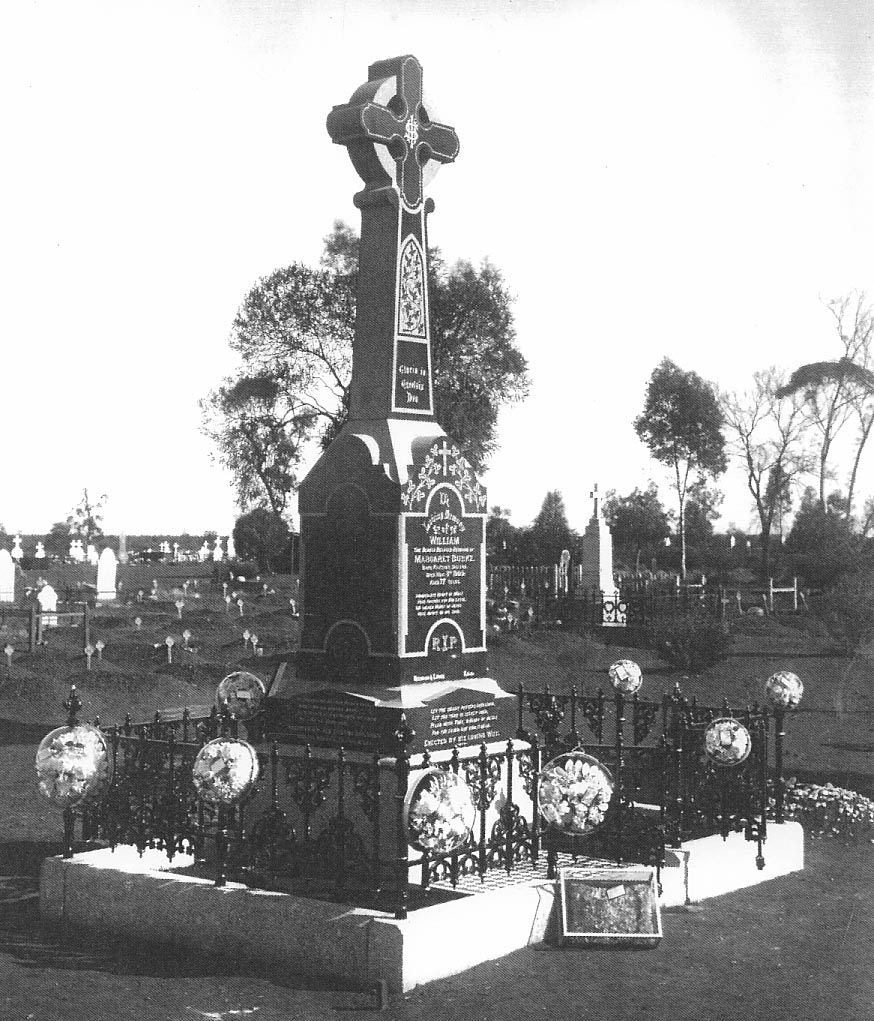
[(444, 463), (411, 293)]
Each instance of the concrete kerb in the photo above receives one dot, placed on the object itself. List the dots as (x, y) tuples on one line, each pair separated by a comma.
[(137, 897)]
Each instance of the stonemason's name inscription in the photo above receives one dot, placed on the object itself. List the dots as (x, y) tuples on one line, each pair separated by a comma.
[(463, 725)]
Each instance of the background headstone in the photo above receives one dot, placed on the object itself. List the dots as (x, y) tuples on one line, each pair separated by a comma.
[(7, 577), (218, 552), (17, 551), (47, 598), (106, 567)]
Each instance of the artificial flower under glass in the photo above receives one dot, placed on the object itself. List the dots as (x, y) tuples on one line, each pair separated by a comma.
[(225, 770), (574, 791), (727, 742), (73, 765), (440, 812)]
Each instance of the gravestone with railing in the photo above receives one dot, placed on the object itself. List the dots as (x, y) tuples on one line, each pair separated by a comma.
[(392, 515), (393, 760)]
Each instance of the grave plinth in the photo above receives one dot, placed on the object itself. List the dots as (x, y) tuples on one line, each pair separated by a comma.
[(392, 515)]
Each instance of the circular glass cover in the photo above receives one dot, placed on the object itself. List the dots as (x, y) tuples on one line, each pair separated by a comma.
[(784, 689), (242, 692), (575, 791), (225, 770), (626, 676), (727, 742), (73, 765), (439, 811)]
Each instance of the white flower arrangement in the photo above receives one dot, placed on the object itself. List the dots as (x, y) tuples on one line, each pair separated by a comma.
[(828, 811), (73, 765), (727, 742), (574, 791), (225, 770), (626, 676), (439, 812)]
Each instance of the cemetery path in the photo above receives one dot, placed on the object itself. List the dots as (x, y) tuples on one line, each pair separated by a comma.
[(795, 948)]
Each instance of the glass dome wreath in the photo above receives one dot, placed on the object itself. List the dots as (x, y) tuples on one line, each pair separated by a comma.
[(438, 811), (574, 792), (224, 771), (73, 765)]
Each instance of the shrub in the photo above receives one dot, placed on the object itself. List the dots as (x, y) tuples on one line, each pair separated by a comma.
[(691, 641), (829, 811), (847, 610)]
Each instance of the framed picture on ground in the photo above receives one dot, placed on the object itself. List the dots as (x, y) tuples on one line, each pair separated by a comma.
[(609, 907)]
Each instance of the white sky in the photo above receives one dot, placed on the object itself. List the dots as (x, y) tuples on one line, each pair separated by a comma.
[(653, 178)]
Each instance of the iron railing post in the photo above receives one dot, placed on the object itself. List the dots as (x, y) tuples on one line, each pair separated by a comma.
[(404, 735)]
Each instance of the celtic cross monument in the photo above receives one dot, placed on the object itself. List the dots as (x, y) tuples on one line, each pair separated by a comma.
[(392, 515)]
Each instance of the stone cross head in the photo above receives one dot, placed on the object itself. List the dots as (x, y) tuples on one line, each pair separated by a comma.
[(390, 137)]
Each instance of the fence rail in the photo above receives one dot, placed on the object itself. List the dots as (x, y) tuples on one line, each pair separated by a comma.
[(543, 585)]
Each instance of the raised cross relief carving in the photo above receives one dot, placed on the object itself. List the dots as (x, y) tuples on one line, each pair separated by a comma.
[(389, 135)]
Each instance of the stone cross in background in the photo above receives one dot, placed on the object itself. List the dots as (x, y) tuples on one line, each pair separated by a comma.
[(17, 551), (596, 557)]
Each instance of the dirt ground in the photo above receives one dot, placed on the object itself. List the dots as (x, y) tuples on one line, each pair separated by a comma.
[(797, 948)]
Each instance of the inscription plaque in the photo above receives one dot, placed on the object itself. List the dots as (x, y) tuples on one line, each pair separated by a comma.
[(463, 723), (444, 594), (331, 718)]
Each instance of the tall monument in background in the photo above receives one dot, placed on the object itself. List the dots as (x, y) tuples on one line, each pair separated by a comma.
[(596, 556)]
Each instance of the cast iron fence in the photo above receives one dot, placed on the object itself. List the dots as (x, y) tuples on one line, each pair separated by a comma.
[(334, 820)]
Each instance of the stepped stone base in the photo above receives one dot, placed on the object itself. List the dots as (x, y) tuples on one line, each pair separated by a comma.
[(123, 893)]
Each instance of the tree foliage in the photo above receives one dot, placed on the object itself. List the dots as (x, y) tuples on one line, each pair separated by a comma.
[(681, 424), (840, 391), (502, 537), (767, 438), (822, 546), (550, 532), (57, 542), (262, 536), (294, 334), (638, 523), (84, 521)]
